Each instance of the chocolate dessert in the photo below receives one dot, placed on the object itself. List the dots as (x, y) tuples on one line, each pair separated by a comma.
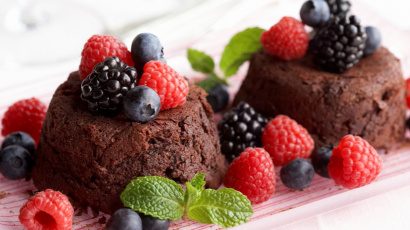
[(367, 100), (91, 158)]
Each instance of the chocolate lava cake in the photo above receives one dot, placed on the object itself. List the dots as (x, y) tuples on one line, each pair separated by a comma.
[(92, 158), (368, 100)]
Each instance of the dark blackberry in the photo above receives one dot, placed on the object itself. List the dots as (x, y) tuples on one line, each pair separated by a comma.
[(340, 45), (339, 8), (105, 87), (240, 128)]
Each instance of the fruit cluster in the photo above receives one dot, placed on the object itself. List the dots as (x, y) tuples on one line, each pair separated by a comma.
[(351, 164), (139, 82), (338, 41)]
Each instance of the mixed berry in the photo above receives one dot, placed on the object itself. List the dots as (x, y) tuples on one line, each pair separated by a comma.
[(240, 128), (297, 174)]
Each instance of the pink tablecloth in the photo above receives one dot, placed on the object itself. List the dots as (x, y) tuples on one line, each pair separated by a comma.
[(210, 32)]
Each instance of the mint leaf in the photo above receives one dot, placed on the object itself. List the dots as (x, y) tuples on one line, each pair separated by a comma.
[(194, 188), (200, 61), (239, 49), (155, 196), (225, 207), (198, 181), (211, 81)]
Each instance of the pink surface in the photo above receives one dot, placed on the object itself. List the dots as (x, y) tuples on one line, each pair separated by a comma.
[(286, 206)]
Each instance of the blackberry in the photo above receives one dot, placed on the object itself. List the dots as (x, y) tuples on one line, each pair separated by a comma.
[(340, 45), (105, 87), (339, 8), (240, 128)]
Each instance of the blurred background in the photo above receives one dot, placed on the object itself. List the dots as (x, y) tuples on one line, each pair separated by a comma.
[(41, 43), (41, 40)]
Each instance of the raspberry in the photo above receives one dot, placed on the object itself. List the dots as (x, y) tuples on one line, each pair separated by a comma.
[(253, 174), (286, 40), (354, 162), (48, 209), (286, 140), (98, 48), (408, 92), (25, 115), (171, 87)]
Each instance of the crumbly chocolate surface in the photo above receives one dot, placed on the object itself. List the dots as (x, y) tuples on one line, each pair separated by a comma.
[(92, 158), (367, 100)]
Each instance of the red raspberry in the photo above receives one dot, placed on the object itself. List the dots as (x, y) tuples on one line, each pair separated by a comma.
[(171, 87), (25, 115), (98, 48), (286, 140), (48, 209), (253, 174), (408, 92), (354, 162), (286, 40)]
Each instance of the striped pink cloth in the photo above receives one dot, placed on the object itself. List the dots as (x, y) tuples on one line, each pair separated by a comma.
[(285, 206)]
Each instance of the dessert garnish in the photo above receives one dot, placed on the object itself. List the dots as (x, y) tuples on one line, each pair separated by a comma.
[(315, 13), (354, 162), (25, 115), (253, 174), (22, 139), (47, 209), (240, 128), (340, 44), (285, 140), (165, 199), (98, 48), (238, 50), (297, 174), (124, 218), (142, 104), (373, 41), (16, 162), (171, 87), (286, 40), (320, 160), (107, 85), (146, 47)]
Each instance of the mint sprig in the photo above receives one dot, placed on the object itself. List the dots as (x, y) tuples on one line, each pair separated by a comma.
[(165, 199), (238, 50)]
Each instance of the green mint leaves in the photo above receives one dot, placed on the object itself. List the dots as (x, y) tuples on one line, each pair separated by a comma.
[(239, 49), (156, 196), (165, 199)]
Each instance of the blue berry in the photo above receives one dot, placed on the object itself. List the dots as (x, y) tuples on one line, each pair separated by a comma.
[(22, 139), (320, 160), (218, 97), (124, 219), (142, 104), (15, 162), (373, 41), (298, 174), (315, 13), (151, 223), (146, 47)]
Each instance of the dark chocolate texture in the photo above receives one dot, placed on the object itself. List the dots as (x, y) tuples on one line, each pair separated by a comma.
[(92, 158), (367, 100)]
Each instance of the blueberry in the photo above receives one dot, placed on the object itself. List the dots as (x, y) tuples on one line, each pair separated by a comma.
[(218, 97), (141, 104), (22, 139), (15, 162), (320, 160), (124, 219), (146, 47), (151, 223), (373, 41), (298, 174), (315, 13)]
